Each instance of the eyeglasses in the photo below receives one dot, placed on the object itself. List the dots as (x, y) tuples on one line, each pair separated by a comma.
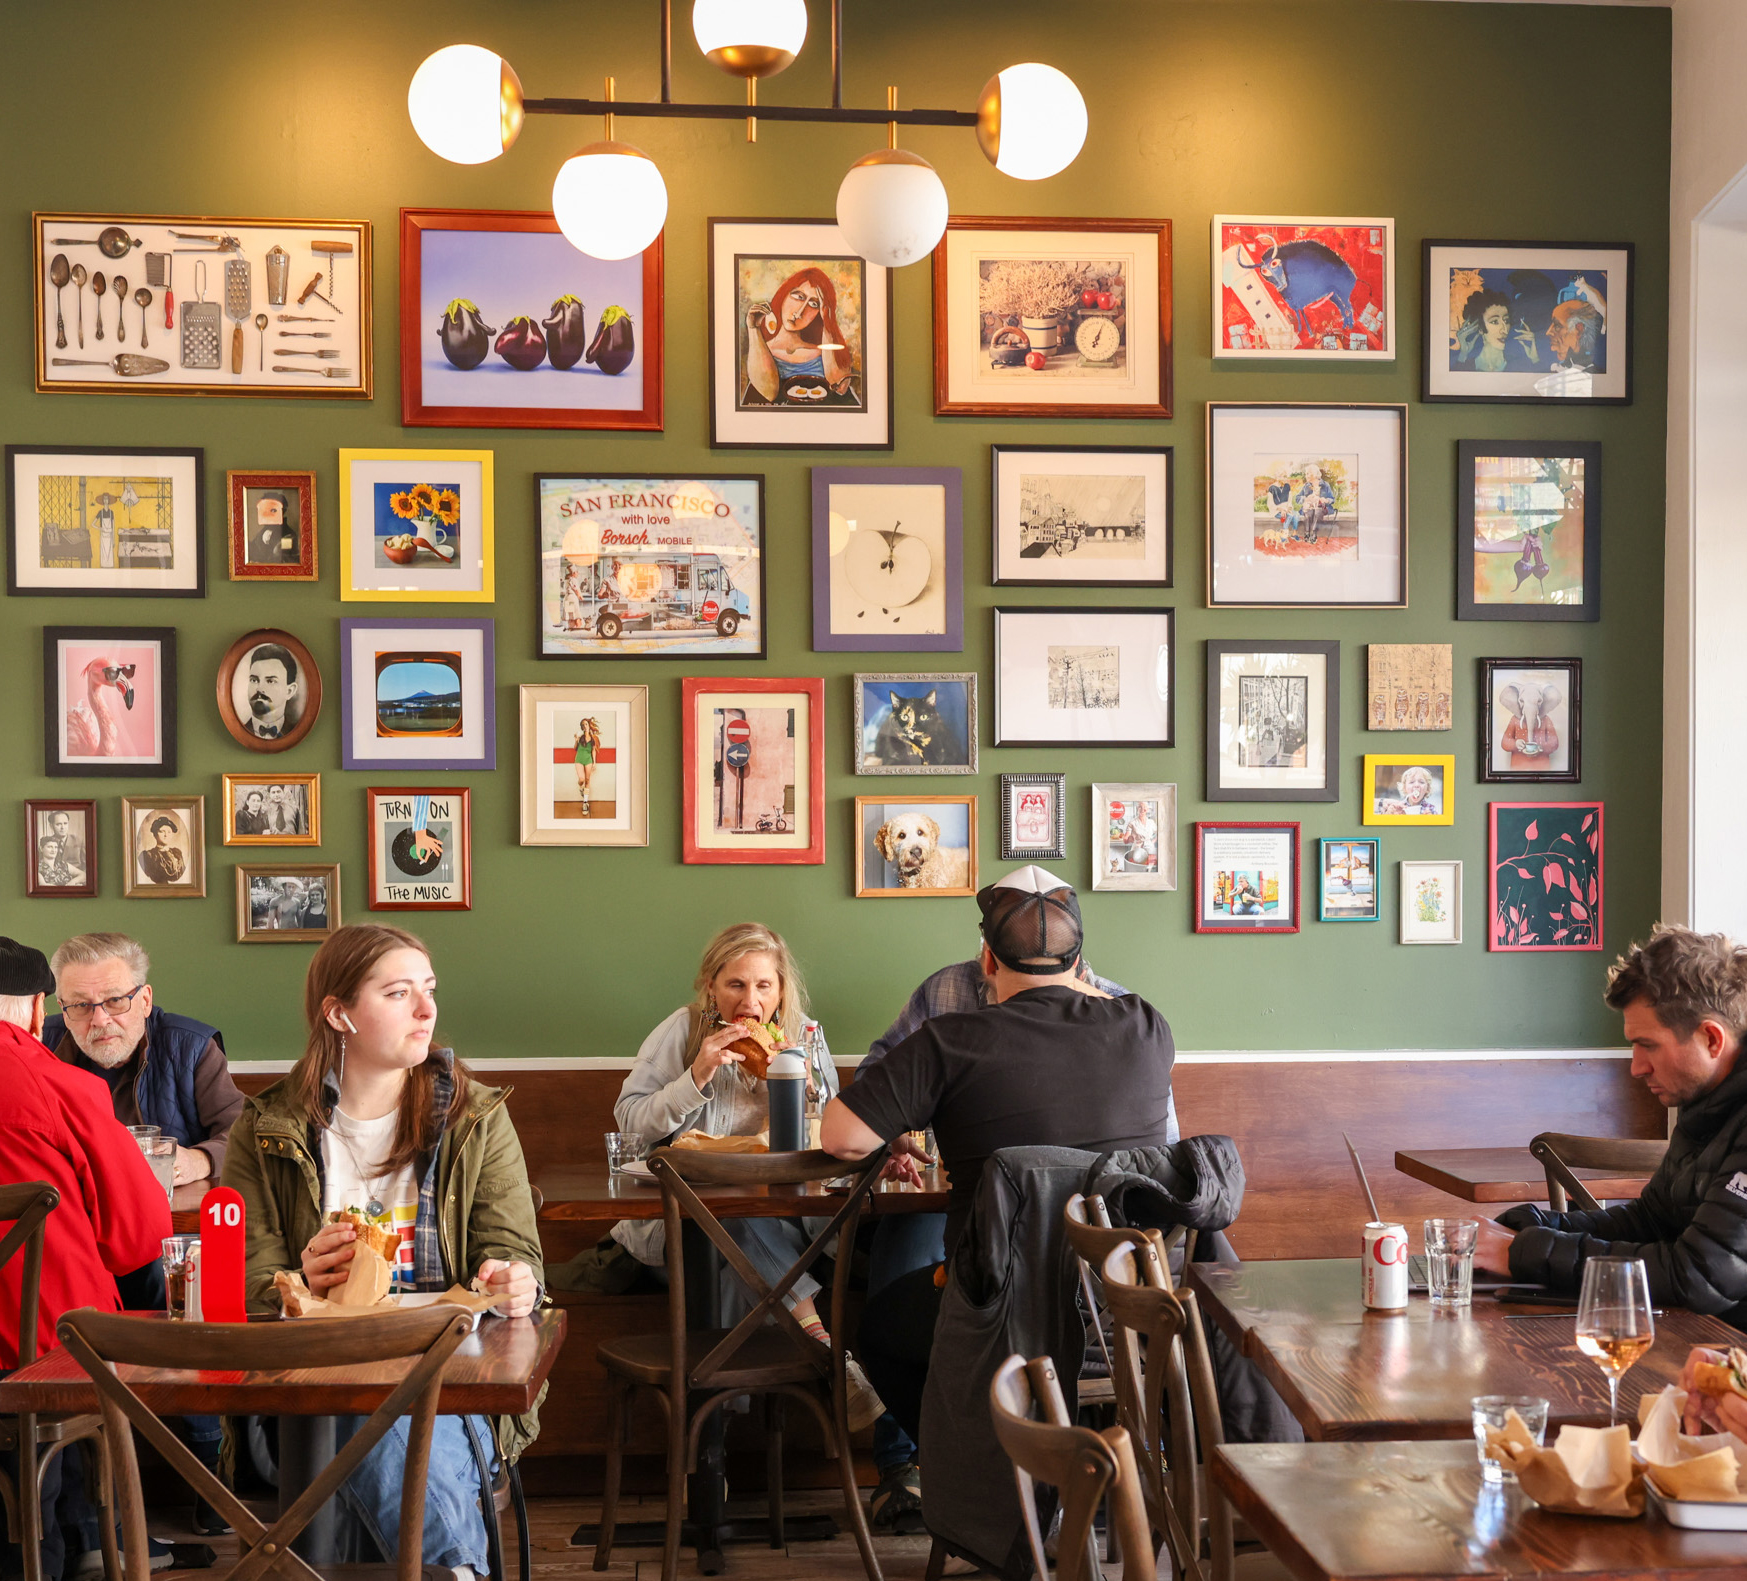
[(114, 1008)]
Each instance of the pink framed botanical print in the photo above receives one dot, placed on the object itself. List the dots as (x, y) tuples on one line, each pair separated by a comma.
[(1544, 875)]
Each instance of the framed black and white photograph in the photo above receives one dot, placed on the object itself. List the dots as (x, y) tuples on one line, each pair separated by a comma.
[(1034, 817), (1531, 323), (1273, 721), (888, 559), (271, 809), (1528, 529), (1134, 837), (163, 844), (1085, 677), (269, 690), (1246, 877), (60, 849), (1083, 515), (1306, 505), (109, 701), (908, 723), (287, 902), (1531, 721)]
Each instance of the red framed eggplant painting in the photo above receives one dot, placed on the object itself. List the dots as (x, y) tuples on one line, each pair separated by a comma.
[(753, 770), (503, 324)]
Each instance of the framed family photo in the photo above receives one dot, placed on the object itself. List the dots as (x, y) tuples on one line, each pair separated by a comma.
[(1246, 878), (1347, 880), (481, 348), (1544, 875), (1273, 721), (652, 567), (272, 526), (1528, 529), (800, 339), (85, 521), (1306, 505), (1134, 837), (1528, 322), (416, 526), (1034, 817), (421, 847), (1083, 515), (1531, 721), (269, 690), (585, 765), (271, 809), (1303, 289), (1052, 318), (287, 902), (60, 849), (1431, 902), (109, 701), (1085, 677), (1408, 686), (418, 693), (888, 559), (915, 848), (753, 770), (908, 723), (163, 843), (1410, 790)]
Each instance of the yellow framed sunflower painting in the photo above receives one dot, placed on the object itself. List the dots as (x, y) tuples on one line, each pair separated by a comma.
[(416, 526)]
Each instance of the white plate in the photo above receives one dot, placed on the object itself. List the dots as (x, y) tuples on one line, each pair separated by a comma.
[(1698, 1515), (639, 1172)]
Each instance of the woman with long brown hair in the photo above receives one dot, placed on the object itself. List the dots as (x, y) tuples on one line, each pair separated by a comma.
[(378, 1118), (795, 351)]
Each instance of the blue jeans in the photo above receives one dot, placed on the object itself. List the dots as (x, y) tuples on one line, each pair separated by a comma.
[(902, 1243), (370, 1497)]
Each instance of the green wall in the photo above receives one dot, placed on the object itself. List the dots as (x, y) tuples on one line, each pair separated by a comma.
[(1486, 121)]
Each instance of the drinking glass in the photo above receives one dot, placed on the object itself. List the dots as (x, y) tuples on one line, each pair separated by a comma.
[(144, 1133), (1490, 1410), (160, 1153), (1450, 1261), (175, 1252), (1614, 1322), (624, 1147)]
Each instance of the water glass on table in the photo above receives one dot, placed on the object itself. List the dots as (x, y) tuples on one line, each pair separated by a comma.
[(160, 1153), (175, 1252), (624, 1147), (1492, 1411), (1450, 1261)]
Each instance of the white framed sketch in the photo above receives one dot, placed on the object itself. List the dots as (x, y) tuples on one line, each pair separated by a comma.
[(1431, 902), (1083, 515)]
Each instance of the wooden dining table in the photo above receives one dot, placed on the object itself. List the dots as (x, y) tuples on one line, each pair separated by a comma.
[(1346, 1373), (185, 1206), (1504, 1175)]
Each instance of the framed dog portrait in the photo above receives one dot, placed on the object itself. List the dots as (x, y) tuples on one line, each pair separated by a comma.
[(416, 526), (914, 849), (1085, 677), (800, 339), (1034, 817), (421, 847), (1301, 289), (1347, 880), (1528, 529), (163, 842), (1544, 875), (269, 690), (272, 526), (1408, 686), (60, 849), (271, 809), (287, 902), (1410, 790), (1531, 721), (888, 559), (1134, 837), (418, 694), (85, 521), (1431, 902), (109, 701), (753, 770), (1083, 515), (585, 765), (908, 723), (1273, 721), (1246, 878)]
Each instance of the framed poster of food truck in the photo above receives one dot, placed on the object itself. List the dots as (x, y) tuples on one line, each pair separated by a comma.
[(651, 567)]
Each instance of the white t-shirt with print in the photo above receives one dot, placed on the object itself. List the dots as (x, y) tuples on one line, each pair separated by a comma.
[(353, 1175)]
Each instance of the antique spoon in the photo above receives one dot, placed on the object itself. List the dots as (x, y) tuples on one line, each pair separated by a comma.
[(58, 277), (144, 298), (97, 287), (261, 326), (79, 278), (119, 286)]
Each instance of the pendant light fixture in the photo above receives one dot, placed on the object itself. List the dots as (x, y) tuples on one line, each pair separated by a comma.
[(610, 200)]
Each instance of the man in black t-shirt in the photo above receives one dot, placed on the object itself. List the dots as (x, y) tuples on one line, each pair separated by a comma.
[(1052, 1062)]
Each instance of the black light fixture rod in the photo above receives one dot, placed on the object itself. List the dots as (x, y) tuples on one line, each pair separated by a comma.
[(836, 54), (833, 115), (667, 51)]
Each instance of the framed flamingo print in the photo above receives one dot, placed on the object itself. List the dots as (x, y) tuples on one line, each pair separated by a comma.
[(109, 701)]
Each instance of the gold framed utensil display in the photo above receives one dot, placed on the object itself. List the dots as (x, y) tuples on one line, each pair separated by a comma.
[(223, 304)]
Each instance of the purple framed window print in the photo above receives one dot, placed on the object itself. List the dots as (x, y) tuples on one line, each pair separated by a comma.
[(888, 560), (417, 693)]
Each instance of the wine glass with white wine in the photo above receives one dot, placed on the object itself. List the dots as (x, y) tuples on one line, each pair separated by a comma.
[(1614, 1323)]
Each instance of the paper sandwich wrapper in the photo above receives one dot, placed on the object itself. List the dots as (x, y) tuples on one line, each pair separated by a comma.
[(1711, 1468), (703, 1142), (366, 1290)]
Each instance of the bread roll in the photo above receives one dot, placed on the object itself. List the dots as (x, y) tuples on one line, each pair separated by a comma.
[(757, 1047)]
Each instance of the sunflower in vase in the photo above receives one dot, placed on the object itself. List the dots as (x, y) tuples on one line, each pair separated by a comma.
[(431, 513)]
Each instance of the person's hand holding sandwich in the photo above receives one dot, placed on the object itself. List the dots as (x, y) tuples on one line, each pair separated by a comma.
[(1716, 1391)]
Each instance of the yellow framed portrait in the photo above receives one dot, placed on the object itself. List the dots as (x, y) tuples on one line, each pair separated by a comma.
[(416, 526), (1410, 789)]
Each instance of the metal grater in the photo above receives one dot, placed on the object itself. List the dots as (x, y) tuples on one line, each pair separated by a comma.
[(201, 325), (236, 305)]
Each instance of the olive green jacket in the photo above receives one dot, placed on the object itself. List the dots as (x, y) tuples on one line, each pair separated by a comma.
[(484, 1206)]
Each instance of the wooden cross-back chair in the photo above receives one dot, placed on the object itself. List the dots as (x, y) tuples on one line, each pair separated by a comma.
[(98, 1340), (36, 1439), (767, 1352), (1559, 1153), (1087, 1466)]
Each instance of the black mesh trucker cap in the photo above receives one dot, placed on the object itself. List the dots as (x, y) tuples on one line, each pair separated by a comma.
[(1031, 922)]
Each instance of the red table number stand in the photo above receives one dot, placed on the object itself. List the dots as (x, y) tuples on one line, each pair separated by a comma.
[(223, 1226)]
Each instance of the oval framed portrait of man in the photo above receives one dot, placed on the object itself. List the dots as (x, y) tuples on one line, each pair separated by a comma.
[(269, 690)]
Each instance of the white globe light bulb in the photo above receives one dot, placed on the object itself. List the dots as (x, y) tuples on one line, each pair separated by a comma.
[(892, 207), (1031, 121), (750, 38), (465, 104), (609, 200)]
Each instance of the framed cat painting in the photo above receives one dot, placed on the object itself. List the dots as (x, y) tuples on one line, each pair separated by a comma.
[(916, 724)]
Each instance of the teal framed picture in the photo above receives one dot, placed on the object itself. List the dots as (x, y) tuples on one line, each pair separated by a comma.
[(1347, 880)]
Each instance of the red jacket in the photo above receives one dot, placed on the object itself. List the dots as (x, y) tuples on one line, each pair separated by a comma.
[(58, 1124)]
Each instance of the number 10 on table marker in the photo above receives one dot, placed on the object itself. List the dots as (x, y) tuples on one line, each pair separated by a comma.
[(223, 1225)]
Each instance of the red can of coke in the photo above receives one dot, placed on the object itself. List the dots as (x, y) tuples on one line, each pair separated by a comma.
[(1385, 1267)]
